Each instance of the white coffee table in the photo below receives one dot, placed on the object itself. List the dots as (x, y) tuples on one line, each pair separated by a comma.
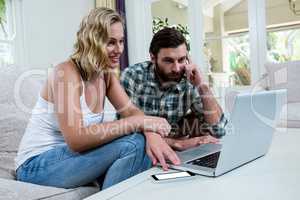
[(275, 176)]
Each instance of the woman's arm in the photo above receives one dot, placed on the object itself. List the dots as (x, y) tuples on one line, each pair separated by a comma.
[(157, 149), (66, 90), (120, 100)]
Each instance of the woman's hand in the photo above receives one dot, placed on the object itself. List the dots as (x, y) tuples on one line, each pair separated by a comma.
[(152, 124), (159, 151), (156, 124)]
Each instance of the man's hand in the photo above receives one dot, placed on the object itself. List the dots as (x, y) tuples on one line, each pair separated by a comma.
[(193, 74), (187, 143), (159, 151)]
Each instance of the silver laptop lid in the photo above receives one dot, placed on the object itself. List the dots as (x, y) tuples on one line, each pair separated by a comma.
[(250, 128)]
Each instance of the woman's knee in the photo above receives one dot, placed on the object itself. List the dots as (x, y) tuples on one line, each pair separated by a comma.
[(134, 143), (138, 139)]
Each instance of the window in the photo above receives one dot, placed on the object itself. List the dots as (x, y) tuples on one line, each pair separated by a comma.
[(283, 45), (283, 37), (227, 43), (7, 32)]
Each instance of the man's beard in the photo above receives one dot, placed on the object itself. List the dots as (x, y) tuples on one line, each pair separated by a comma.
[(168, 78)]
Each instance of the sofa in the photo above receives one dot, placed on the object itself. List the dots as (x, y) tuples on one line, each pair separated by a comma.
[(19, 88), (284, 75)]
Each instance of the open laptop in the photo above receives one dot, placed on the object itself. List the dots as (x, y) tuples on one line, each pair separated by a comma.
[(248, 135)]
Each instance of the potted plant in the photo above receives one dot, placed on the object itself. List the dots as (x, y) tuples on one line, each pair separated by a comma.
[(2, 15)]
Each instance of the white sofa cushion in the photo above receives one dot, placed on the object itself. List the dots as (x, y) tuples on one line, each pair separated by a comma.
[(19, 89), (290, 116), (10, 189), (286, 75)]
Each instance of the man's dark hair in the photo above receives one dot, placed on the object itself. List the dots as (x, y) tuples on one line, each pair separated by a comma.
[(166, 38)]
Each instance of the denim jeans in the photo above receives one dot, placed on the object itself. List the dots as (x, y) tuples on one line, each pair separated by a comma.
[(109, 164)]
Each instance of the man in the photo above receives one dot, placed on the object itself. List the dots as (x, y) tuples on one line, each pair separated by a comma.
[(171, 86)]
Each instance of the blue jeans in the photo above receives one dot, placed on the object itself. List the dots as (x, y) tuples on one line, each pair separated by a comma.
[(109, 164)]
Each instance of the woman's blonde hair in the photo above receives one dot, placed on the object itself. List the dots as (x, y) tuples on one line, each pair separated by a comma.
[(90, 54)]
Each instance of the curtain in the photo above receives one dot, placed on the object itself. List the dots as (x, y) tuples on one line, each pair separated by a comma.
[(120, 7), (106, 3)]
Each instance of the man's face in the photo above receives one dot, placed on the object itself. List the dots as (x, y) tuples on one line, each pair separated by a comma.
[(170, 63)]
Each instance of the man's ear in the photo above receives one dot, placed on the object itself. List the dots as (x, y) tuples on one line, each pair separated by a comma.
[(152, 57)]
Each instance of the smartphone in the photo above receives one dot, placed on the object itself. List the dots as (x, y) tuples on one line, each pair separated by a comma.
[(172, 175)]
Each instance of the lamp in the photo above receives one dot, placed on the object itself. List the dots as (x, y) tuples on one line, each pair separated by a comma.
[(293, 8)]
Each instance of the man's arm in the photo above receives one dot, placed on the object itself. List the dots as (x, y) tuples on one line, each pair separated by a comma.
[(212, 110), (214, 120), (204, 103), (181, 144)]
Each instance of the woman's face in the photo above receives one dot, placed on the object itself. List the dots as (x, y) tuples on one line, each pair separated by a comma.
[(115, 45)]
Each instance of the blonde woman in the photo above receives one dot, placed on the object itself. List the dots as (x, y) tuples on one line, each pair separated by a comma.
[(66, 143)]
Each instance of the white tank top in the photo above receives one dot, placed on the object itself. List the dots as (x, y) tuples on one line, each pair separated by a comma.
[(43, 133)]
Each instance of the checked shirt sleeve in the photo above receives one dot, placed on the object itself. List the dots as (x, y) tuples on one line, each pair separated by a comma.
[(217, 130), (127, 80)]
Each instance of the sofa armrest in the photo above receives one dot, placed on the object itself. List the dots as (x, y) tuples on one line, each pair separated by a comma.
[(11, 189)]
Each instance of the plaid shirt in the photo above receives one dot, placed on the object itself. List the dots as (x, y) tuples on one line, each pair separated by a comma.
[(171, 103)]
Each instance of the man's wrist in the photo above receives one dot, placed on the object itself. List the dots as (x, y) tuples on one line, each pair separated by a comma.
[(170, 141), (174, 143)]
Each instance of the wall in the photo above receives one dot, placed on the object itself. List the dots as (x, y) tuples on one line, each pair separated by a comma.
[(237, 17), (278, 12), (169, 9), (46, 30)]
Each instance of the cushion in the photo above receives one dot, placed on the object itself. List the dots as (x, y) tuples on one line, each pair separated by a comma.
[(12, 126), (11, 189), (290, 116), (294, 82), (277, 75), (7, 165), (19, 89), (286, 75)]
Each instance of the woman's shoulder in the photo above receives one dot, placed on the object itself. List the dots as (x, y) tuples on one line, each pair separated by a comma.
[(66, 70)]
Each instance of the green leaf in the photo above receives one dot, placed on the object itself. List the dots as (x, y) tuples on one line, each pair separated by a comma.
[(2, 10), (158, 24)]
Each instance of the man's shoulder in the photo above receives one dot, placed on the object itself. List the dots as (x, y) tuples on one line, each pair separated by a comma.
[(138, 68)]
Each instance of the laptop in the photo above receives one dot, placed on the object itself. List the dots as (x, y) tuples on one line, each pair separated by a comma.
[(248, 135)]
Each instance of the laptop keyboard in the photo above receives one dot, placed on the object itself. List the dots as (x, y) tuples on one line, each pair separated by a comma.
[(209, 161)]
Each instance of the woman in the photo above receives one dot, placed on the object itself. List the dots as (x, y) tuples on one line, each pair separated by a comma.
[(66, 144)]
